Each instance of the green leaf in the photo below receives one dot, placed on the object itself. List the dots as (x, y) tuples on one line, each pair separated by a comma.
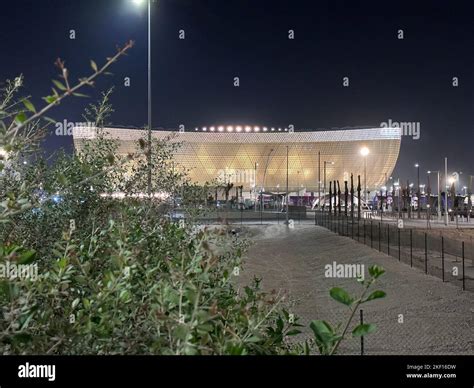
[(375, 295), (324, 335), (50, 120), (20, 118), (80, 95), (341, 296), (59, 85), (62, 263), (50, 99), (28, 105), (376, 271), (62, 179), (253, 339), (363, 329), (27, 257), (75, 302), (93, 65)]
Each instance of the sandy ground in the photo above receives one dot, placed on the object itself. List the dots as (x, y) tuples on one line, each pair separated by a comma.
[(438, 318)]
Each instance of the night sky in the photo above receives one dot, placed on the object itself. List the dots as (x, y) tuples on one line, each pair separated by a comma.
[(282, 81)]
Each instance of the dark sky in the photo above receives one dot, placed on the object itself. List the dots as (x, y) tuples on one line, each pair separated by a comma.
[(282, 81)]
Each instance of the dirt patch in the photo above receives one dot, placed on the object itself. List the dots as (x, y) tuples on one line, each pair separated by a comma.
[(420, 315)]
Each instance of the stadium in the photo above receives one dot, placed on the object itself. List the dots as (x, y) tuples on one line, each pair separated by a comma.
[(268, 159)]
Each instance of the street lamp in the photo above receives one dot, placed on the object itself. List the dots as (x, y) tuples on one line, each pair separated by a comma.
[(364, 151), (418, 194), (439, 195), (139, 3)]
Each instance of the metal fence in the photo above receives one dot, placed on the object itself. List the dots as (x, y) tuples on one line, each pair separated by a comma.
[(227, 216), (448, 259)]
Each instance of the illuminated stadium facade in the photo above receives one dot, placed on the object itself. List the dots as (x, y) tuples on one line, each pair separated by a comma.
[(257, 158)]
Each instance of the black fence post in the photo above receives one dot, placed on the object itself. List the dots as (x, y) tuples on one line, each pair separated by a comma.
[(388, 239), (380, 237), (364, 230), (371, 234), (399, 246), (352, 228), (442, 256), (463, 271), (361, 337), (426, 253), (411, 247)]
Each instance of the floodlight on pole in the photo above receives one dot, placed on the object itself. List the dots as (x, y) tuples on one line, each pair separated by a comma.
[(364, 151), (149, 160)]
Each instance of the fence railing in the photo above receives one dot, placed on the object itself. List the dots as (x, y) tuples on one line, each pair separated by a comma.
[(259, 217), (446, 258)]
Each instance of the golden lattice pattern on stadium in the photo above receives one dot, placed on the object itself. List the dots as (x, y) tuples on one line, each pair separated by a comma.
[(233, 156)]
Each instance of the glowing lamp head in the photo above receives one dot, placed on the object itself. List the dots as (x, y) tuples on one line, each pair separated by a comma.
[(364, 151), (212, 129), (238, 128), (417, 165), (3, 153), (138, 2), (230, 128), (256, 129), (220, 128), (247, 129)]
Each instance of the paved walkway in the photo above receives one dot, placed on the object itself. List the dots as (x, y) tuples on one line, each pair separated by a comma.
[(438, 318)]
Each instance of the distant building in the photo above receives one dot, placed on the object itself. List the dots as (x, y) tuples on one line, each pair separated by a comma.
[(259, 159)]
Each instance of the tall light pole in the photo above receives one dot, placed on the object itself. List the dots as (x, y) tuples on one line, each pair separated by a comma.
[(263, 180), (298, 185), (287, 208), (446, 207), (439, 195), (324, 185), (418, 194), (319, 180), (255, 186), (364, 151), (139, 3)]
